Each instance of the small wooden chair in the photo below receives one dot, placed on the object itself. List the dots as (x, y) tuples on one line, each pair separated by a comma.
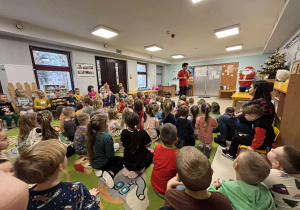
[(263, 151)]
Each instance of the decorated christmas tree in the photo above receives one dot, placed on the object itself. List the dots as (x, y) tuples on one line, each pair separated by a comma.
[(274, 62)]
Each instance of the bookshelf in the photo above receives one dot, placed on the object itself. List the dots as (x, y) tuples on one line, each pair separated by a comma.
[(286, 98)]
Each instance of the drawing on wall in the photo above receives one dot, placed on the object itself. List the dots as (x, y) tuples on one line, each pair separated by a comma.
[(85, 69), (174, 75), (230, 69)]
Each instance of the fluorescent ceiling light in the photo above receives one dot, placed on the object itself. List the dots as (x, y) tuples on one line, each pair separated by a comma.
[(234, 47), (177, 56), (195, 1), (227, 31), (153, 48), (104, 31)]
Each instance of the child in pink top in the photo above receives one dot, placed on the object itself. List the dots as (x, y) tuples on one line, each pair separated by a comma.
[(92, 94), (205, 124)]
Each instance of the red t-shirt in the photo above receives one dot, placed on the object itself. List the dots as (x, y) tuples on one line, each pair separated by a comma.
[(183, 82), (164, 168)]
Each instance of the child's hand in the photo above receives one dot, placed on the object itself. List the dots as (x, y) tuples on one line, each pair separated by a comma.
[(94, 191), (173, 183), (249, 148), (217, 183)]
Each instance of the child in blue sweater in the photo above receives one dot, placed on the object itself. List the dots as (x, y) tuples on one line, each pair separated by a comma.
[(167, 116), (185, 129)]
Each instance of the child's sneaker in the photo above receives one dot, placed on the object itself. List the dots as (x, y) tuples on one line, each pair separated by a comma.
[(225, 153), (108, 178), (220, 142), (207, 152)]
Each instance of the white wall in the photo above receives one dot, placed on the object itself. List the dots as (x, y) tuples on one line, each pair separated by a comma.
[(151, 74), (132, 71)]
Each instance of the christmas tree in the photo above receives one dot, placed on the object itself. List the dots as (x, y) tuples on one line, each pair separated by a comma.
[(274, 63)]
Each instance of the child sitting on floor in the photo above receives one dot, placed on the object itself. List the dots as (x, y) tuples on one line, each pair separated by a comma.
[(200, 102), (130, 102), (183, 98), (79, 107), (158, 100), (80, 134), (167, 116), (139, 109), (151, 122), (195, 172), (264, 133), (98, 106), (114, 129), (136, 156), (86, 102), (124, 114), (121, 105), (191, 102), (147, 98), (43, 164), (4, 143), (215, 112), (7, 111), (69, 124), (194, 115), (156, 112), (205, 125), (185, 129), (284, 179), (23, 102), (7, 166), (180, 103), (101, 150), (247, 191), (164, 160)]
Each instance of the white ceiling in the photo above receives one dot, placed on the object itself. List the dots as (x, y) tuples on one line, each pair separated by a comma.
[(145, 22)]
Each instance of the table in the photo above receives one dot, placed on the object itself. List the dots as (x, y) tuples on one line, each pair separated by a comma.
[(170, 89), (226, 91), (242, 96), (144, 91)]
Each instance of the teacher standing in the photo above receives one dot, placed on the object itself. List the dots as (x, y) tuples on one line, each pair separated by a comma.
[(183, 76)]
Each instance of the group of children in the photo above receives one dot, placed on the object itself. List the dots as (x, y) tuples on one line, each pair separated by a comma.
[(90, 128)]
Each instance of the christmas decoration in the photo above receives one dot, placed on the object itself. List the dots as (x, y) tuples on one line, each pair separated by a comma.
[(246, 77), (293, 41), (274, 62)]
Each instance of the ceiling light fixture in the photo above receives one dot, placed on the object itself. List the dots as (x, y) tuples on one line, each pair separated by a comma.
[(227, 31), (234, 47), (153, 48), (177, 56), (104, 31), (195, 1)]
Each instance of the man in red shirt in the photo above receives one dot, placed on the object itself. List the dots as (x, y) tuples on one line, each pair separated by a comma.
[(183, 76)]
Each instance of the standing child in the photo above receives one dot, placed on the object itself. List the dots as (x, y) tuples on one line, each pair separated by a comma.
[(194, 115), (124, 114), (151, 122), (139, 109), (27, 123), (91, 92), (69, 124), (205, 125), (103, 96), (114, 129), (121, 105), (136, 156), (43, 164), (41, 102), (71, 100), (86, 102), (7, 111), (23, 102), (101, 150), (185, 129), (4, 143), (80, 144), (164, 159), (77, 95), (98, 106), (167, 116)]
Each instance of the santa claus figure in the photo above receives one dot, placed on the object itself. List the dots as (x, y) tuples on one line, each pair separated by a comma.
[(246, 77)]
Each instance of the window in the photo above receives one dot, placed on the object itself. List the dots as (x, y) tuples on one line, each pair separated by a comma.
[(52, 70), (142, 75)]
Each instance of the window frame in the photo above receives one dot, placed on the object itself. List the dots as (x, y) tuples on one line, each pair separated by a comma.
[(143, 73), (51, 68)]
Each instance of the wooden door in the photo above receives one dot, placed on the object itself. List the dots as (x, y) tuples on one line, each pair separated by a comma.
[(123, 74), (111, 74), (229, 74)]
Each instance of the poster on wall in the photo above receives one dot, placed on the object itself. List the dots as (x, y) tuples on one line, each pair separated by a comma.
[(85, 70), (191, 70)]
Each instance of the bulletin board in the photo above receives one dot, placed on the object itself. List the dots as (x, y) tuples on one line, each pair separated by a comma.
[(229, 75)]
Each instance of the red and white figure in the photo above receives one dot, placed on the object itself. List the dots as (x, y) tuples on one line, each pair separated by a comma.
[(246, 77)]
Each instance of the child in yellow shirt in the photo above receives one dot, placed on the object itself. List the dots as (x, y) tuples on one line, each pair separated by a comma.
[(41, 102), (77, 95)]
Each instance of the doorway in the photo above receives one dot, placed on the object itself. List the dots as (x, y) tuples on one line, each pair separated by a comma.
[(159, 75)]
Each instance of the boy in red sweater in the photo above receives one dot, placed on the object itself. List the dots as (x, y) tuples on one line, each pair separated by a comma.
[(264, 133), (164, 159)]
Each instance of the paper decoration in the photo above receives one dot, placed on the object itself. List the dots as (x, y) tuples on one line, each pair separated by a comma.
[(222, 73), (85, 69), (230, 69)]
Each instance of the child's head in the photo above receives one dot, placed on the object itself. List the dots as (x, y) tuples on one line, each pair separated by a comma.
[(168, 134), (195, 112), (157, 98), (184, 111), (44, 118), (57, 93), (113, 114), (69, 111), (168, 106), (243, 107), (3, 98), (147, 96), (167, 97), (193, 169), (79, 106), (20, 92), (40, 93), (122, 88), (71, 93), (90, 88), (102, 91), (191, 101), (86, 102), (26, 123), (200, 102), (7, 166), (98, 124), (215, 108), (132, 120), (129, 101), (251, 167), (124, 114), (41, 161), (253, 112), (98, 104), (285, 158), (83, 119), (206, 109), (77, 91), (140, 95), (148, 111), (229, 110), (183, 97), (122, 100), (138, 107), (180, 103), (155, 108), (4, 141)]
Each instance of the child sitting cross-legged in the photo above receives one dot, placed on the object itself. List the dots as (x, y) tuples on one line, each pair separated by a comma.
[(114, 129), (86, 102), (247, 191), (42, 165), (284, 179), (167, 116), (69, 124), (185, 129), (7, 111), (124, 114), (194, 110), (195, 172), (164, 159), (136, 156), (80, 144), (151, 122), (264, 133)]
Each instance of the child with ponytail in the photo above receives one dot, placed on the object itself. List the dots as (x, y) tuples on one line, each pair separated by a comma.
[(151, 122), (167, 116), (139, 109), (194, 115), (136, 156), (101, 150), (205, 124)]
